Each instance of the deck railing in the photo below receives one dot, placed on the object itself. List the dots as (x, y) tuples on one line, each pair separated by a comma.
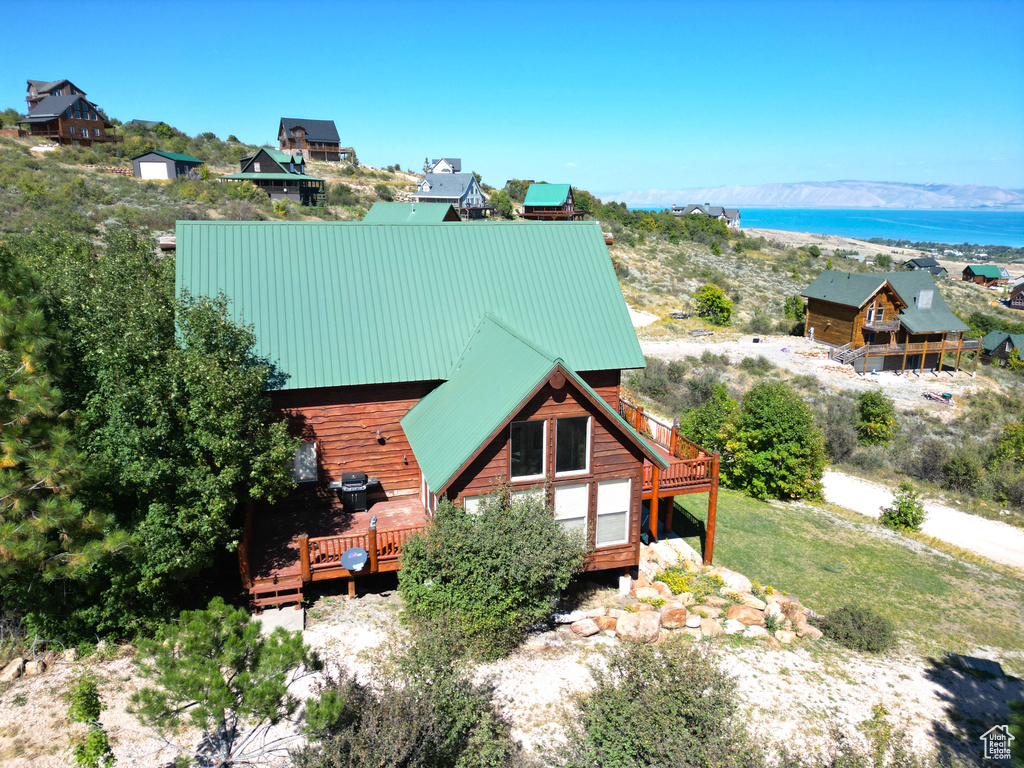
[(680, 475), (661, 432), (382, 546)]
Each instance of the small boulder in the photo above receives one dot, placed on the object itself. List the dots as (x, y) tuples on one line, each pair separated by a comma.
[(695, 633), (710, 628), (641, 581), (585, 627), (595, 612), (33, 668), (785, 637), (70, 655), (674, 619), (566, 635), (693, 621), (755, 631), (708, 611), (663, 589), (733, 627), (617, 613), (806, 630), (606, 623), (646, 593), (714, 600), (732, 579), (754, 602), (641, 607), (784, 600), (639, 627), (568, 617), (772, 609), (746, 615), (13, 670), (611, 633)]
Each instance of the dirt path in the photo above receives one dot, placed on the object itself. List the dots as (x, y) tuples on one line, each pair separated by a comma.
[(997, 541)]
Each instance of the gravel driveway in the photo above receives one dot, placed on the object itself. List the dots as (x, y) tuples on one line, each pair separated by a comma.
[(997, 541)]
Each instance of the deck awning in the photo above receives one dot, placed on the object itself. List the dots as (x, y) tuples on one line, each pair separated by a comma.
[(496, 375)]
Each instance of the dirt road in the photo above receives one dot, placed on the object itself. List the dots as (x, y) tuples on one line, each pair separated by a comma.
[(997, 541)]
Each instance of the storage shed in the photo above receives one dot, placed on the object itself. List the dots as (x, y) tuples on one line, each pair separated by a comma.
[(164, 165)]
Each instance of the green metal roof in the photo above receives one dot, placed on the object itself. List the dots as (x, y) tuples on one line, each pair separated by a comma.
[(994, 339), (171, 156), (990, 271), (286, 177), (282, 157), (410, 213), (497, 372), (337, 304), (855, 289), (546, 194)]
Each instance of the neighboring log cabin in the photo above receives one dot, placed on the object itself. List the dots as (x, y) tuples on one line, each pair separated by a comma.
[(67, 118), (998, 346), (550, 202), (986, 275), (41, 89), (281, 175), (313, 139), (886, 322), (1016, 298), (437, 361)]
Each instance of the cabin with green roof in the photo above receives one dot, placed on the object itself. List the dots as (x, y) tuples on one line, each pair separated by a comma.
[(998, 346), (428, 361), (550, 202), (896, 321), (410, 213), (281, 175), (987, 275), (165, 165)]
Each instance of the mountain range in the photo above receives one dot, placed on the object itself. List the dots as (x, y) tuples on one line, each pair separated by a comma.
[(833, 194)]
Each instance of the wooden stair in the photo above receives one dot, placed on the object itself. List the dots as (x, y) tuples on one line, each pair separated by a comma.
[(276, 592)]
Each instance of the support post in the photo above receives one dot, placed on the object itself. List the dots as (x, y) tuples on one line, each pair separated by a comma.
[(959, 349), (709, 535), (903, 365), (652, 523), (371, 544), (924, 354), (304, 568), (351, 587)]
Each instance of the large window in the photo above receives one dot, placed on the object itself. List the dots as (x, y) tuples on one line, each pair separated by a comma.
[(613, 498), (304, 469), (572, 445), (571, 502), (528, 441)]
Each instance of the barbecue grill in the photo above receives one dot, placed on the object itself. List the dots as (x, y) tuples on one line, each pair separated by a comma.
[(353, 491)]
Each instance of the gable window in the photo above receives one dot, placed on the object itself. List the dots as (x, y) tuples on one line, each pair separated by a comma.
[(572, 445), (612, 512), (304, 469), (68, 113), (256, 167), (571, 502), (527, 441)]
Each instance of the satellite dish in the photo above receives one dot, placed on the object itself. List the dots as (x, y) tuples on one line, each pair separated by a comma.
[(354, 559)]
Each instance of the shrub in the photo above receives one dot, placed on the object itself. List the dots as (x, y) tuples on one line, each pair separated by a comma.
[(906, 513), (706, 424), (793, 308), (883, 260), (876, 422), (680, 580), (85, 706), (677, 370), (775, 450), (716, 248), (384, 192), (760, 323), (962, 472), (758, 366), (932, 456), (713, 305), (663, 705), (837, 425), (490, 575), (859, 628)]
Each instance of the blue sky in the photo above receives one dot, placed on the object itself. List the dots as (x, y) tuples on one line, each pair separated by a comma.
[(607, 96)]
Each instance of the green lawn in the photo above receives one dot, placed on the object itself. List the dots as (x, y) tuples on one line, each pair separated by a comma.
[(826, 557)]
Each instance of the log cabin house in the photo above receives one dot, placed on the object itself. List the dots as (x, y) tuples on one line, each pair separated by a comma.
[(731, 216), (1016, 298), (986, 275), (67, 119), (435, 361), (313, 139), (997, 346), (40, 89), (550, 202), (886, 322), (281, 175)]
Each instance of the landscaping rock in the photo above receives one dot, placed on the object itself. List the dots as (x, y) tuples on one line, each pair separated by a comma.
[(50, 657), (772, 609), (708, 611), (641, 607), (746, 615), (639, 627), (595, 612), (585, 628), (641, 581), (785, 637), (693, 621), (674, 619), (569, 617), (806, 630), (710, 628), (33, 668), (71, 654), (542, 641), (606, 623), (566, 635), (696, 634), (754, 602), (755, 631), (13, 670), (733, 627), (648, 593), (671, 605), (784, 600), (686, 598), (611, 633), (714, 600), (733, 580), (663, 589)]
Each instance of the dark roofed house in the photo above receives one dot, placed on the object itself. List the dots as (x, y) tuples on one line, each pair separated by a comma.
[(67, 119), (731, 216), (410, 213), (40, 89), (1016, 298), (987, 275), (313, 139), (281, 175), (446, 165), (997, 346), (550, 202), (885, 322), (460, 190), (165, 165), (149, 125), (419, 400), (926, 262)]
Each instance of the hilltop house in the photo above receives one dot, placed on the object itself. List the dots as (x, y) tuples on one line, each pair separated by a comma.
[(1016, 300), (68, 118), (165, 165), (885, 322), (731, 216), (997, 346), (410, 213), (40, 89), (281, 175), (313, 139), (551, 202), (987, 275), (436, 361), (460, 190), (446, 165)]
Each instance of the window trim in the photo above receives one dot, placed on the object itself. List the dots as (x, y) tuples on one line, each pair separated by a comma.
[(586, 469), (543, 456), (628, 511), (585, 516)]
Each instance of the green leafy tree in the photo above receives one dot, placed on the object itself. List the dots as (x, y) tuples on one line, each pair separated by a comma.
[(876, 422), (883, 260), (384, 192), (962, 471), (775, 449), (907, 511), (713, 305), (814, 250), (707, 424), (503, 203), (716, 248), (1011, 443), (793, 308), (490, 575), (212, 670), (85, 706)]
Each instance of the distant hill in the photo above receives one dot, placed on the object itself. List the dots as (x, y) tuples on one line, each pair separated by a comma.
[(834, 194)]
